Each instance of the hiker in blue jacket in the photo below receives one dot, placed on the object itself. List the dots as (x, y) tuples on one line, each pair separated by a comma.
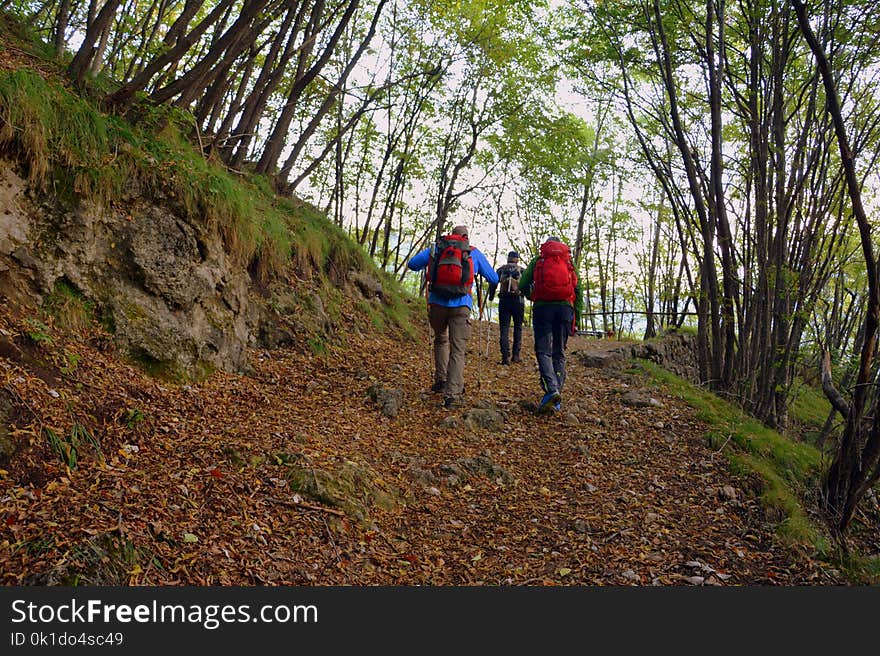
[(449, 310)]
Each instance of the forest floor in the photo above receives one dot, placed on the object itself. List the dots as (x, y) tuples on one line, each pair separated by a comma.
[(294, 474)]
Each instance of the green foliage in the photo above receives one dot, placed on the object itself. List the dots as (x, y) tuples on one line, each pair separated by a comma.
[(36, 546), (65, 141), (862, 570), (133, 418), (38, 332), (60, 136), (23, 34), (68, 307), (106, 559), (809, 409), (317, 344), (68, 447), (70, 362)]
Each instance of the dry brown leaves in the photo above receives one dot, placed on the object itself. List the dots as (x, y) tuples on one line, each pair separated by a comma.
[(191, 484)]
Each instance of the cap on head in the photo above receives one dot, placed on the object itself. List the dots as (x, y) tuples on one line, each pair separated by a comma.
[(460, 230), (513, 256), (553, 239)]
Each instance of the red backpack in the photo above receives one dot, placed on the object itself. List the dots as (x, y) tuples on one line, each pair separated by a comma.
[(450, 267), (554, 278)]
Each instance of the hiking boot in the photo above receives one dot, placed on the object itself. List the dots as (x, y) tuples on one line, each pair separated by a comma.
[(557, 407), (505, 361), (439, 386), (451, 403), (549, 402), (515, 359)]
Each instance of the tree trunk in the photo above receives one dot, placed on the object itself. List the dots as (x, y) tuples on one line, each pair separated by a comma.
[(278, 138), (61, 21), (83, 58)]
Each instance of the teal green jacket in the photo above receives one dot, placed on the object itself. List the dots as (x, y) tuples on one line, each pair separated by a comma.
[(525, 286)]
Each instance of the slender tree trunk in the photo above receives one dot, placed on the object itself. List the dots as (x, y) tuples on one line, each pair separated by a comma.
[(79, 66), (61, 21), (278, 138), (650, 330)]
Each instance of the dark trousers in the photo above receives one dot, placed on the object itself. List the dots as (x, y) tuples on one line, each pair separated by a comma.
[(552, 325), (510, 307)]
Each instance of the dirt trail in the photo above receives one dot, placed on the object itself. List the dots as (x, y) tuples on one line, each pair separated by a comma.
[(294, 475)]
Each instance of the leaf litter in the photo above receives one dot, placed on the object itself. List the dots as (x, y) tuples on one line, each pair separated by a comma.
[(293, 475)]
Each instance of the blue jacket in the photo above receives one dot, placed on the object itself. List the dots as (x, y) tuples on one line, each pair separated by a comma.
[(481, 268)]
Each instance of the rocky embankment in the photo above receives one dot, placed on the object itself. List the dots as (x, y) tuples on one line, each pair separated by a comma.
[(164, 286)]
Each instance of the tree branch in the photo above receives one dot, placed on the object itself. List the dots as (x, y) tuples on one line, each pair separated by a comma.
[(831, 392)]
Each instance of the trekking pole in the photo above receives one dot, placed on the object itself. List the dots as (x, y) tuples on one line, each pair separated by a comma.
[(488, 330), (480, 334), (428, 321)]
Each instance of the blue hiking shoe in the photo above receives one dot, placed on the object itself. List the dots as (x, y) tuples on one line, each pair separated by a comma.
[(549, 402), (557, 406)]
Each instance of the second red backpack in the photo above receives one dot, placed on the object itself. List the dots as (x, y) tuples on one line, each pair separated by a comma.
[(554, 278)]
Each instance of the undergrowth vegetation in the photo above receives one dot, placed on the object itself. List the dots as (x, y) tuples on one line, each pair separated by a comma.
[(787, 472)]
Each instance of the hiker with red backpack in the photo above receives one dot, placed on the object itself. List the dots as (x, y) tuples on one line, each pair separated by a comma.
[(451, 266), (551, 283)]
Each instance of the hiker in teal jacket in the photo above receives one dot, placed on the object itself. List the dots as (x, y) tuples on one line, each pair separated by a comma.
[(554, 317)]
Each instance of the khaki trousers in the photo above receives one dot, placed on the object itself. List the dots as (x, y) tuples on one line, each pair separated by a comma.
[(452, 329)]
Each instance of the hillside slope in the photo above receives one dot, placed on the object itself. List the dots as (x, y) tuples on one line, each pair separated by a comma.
[(185, 263)]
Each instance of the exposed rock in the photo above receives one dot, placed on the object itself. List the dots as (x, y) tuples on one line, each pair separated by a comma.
[(481, 465), (368, 285), (484, 418), (631, 576), (728, 492), (318, 312), (352, 488), (674, 352), (423, 476), (389, 400), (603, 359), (637, 400), (175, 299)]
